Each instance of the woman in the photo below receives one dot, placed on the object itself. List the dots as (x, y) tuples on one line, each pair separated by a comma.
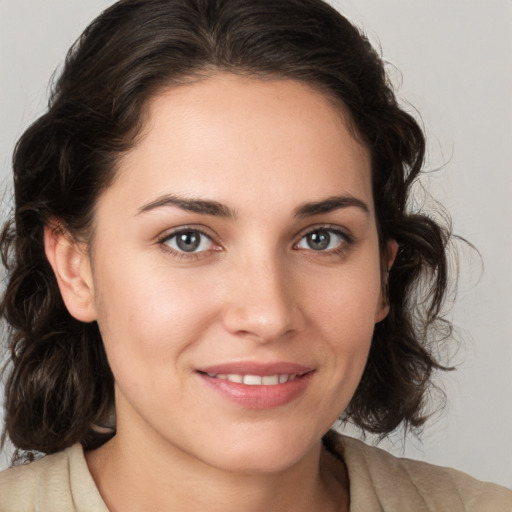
[(211, 260)]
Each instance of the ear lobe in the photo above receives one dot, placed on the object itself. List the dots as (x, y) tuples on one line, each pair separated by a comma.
[(71, 266), (383, 308)]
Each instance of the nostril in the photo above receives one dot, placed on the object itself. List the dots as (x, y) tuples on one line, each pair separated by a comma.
[(260, 324)]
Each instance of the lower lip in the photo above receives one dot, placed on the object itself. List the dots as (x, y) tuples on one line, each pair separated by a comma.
[(259, 397)]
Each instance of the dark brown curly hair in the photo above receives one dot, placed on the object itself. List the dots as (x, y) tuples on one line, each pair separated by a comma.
[(59, 383)]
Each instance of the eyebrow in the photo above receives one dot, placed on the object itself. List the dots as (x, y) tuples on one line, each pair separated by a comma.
[(216, 209), (202, 206), (330, 204)]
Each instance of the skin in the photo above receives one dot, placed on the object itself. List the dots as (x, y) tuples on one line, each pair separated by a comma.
[(255, 290)]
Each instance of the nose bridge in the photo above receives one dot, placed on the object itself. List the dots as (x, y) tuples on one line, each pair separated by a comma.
[(262, 304)]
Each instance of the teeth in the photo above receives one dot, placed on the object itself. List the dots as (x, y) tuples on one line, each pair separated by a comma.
[(270, 380), (254, 380)]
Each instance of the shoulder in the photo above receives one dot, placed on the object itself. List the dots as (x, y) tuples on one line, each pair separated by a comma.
[(27, 476), (394, 484), (58, 482)]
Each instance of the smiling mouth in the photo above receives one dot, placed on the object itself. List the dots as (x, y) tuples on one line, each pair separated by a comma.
[(258, 386), (255, 380)]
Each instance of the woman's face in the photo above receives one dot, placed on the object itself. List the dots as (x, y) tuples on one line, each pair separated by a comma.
[(236, 273)]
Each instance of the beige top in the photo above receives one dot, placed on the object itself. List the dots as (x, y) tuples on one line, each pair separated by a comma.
[(379, 482)]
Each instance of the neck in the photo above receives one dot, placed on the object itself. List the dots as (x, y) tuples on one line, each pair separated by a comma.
[(130, 477)]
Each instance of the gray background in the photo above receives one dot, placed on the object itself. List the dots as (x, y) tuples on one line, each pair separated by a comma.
[(455, 59)]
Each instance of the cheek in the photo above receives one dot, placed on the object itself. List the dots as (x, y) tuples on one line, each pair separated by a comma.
[(151, 318), (349, 299), (344, 310)]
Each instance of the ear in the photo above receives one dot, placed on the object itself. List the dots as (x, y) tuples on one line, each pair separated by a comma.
[(388, 259), (72, 268)]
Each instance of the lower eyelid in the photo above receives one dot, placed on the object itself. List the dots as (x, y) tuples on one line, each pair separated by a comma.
[(344, 238), (164, 241)]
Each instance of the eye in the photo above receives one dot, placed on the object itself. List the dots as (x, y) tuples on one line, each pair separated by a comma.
[(188, 241), (323, 239)]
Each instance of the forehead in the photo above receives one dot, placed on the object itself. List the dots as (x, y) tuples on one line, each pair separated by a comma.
[(230, 136)]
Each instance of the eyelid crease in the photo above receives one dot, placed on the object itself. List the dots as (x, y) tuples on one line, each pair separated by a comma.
[(163, 240), (182, 229), (345, 233), (347, 240)]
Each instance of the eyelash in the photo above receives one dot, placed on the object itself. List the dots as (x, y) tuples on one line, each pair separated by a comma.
[(163, 242), (347, 240)]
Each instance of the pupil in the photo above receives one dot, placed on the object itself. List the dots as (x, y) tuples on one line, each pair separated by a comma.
[(319, 240), (188, 241)]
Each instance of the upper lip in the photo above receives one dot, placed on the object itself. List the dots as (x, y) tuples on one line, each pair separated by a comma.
[(257, 368)]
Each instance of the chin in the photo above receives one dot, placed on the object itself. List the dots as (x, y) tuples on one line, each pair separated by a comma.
[(265, 452)]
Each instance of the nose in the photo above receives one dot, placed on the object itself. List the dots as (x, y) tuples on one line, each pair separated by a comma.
[(262, 304)]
